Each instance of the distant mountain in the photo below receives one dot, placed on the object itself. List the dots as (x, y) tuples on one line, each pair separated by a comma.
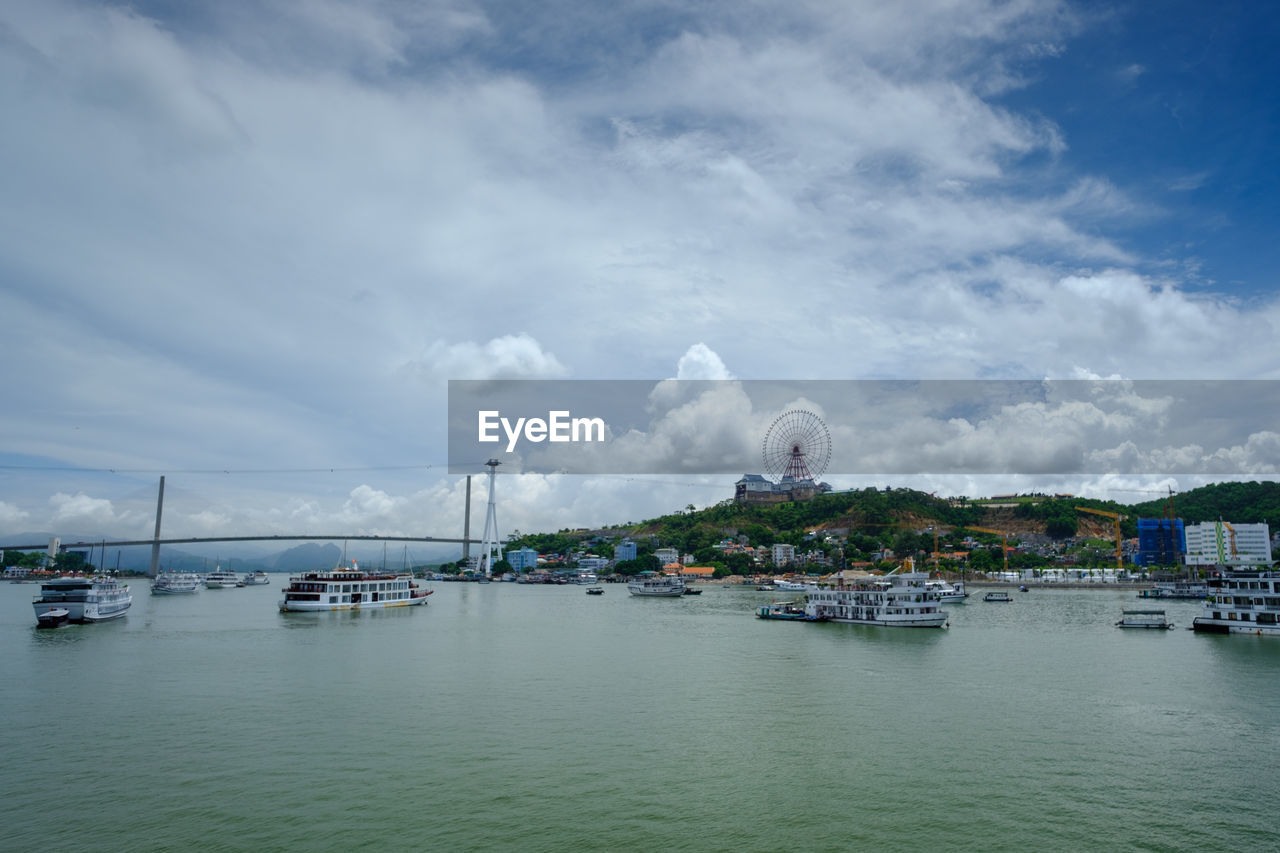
[(308, 556)]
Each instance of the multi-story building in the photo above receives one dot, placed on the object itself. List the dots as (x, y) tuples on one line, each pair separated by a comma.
[(523, 559), (1161, 542), (667, 556), (783, 554), (1221, 543), (624, 550)]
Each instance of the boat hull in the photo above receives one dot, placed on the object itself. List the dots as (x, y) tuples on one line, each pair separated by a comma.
[(1206, 625), (107, 611), (931, 620), (319, 607)]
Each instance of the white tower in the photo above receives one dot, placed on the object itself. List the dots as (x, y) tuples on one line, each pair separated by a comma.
[(489, 543)]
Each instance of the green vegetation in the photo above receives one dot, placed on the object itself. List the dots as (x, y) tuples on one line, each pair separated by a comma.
[(877, 519)]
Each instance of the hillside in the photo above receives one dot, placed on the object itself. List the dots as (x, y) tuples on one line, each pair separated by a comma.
[(879, 516)]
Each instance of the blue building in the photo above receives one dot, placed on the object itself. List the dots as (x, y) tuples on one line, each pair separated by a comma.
[(523, 560), (1161, 542), (624, 550)]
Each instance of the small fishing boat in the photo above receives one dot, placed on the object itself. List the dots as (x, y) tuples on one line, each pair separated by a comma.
[(54, 617), (1144, 619), (595, 590), (997, 596)]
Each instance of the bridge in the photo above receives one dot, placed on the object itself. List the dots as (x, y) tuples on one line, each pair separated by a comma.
[(64, 546), (155, 542)]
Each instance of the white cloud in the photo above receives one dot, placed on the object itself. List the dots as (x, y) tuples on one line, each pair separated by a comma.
[(507, 357), (701, 362), (281, 211)]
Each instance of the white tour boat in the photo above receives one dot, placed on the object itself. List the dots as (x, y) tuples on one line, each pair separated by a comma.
[(221, 578), (94, 599), (899, 599), (351, 589), (948, 593), (1241, 602), (255, 579), (789, 586), (656, 585), (175, 583)]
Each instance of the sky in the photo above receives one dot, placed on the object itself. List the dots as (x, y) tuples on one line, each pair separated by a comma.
[(246, 245)]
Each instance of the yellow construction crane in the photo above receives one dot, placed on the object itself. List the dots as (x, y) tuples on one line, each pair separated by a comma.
[(1000, 533), (1235, 555), (1117, 518)]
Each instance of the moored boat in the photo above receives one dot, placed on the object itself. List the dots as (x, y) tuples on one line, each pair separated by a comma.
[(351, 589), (1144, 619), (221, 578), (1176, 589), (175, 583), (947, 592), (654, 585), (786, 611), (1241, 602), (85, 599), (899, 599), (255, 579)]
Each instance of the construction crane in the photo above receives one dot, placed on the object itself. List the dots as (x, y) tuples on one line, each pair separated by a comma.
[(1235, 555), (1115, 517), (1000, 533)]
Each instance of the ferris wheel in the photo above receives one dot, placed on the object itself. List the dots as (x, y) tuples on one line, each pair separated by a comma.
[(797, 445)]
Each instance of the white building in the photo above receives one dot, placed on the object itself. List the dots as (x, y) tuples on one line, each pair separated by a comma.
[(1220, 543), (523, 559), (667, 556), (783, 554)]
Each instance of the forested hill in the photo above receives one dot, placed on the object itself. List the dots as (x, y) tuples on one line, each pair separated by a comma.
[(1243, 503), (886, 514)]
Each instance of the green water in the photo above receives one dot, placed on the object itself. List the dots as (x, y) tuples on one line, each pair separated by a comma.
[(507, 717)]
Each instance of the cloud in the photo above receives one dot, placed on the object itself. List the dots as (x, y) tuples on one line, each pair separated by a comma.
[(508, 357), (12, 518), (700, 362), (281, 212)]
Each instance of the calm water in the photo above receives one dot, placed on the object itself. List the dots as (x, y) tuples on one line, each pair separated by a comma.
[(542, 719)]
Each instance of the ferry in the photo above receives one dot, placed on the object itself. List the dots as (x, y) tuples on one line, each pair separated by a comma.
[(221, 578), (899, 599), (1241, 602), (655, 585), (175, 583), (350, 589), (255, 579), (85, 599), (789, 586), (997, 596)]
